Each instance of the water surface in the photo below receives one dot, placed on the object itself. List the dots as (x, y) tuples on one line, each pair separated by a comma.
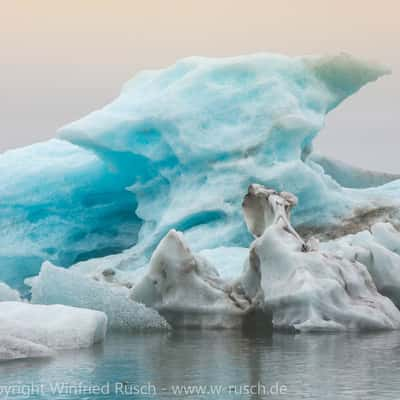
[(328, 366)]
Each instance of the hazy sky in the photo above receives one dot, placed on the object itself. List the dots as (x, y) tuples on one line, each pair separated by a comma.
[(61, 59)]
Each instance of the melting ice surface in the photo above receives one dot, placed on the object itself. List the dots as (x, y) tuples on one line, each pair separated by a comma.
[(176, 151)]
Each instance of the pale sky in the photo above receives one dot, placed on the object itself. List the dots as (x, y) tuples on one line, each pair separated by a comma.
[(62, 59)]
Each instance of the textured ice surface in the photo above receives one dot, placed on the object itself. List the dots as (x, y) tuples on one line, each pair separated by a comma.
[(55, 326), (199, 132), (57, 285), (61, 203), (12, 348), (187, 140), (8, 294), (187, 289), (379, 250), (305, 288), (387, 236)]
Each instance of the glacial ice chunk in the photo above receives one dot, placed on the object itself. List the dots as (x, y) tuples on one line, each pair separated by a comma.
[(53, 326), (305, 288), (60, 286), (188, 290)]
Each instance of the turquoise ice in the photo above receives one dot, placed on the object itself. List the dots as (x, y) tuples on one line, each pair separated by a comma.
[(177, 149)]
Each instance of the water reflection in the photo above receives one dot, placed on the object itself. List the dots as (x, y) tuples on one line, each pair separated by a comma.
[(337, 366)]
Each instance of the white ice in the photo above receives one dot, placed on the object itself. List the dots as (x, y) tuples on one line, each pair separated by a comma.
[(305, 288), (58, 285), (13, 348), (53, 326), (188, 289), (378, 249), (8, 294)]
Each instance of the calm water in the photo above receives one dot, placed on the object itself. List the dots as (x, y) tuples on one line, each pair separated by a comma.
[(335, 366)]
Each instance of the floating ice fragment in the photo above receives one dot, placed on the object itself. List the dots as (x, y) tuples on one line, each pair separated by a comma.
[(55, 326), (187, 289), (60, 286)]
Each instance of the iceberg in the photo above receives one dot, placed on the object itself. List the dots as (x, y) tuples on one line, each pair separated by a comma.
[(57, 326), (140, 203), (175, 150)]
